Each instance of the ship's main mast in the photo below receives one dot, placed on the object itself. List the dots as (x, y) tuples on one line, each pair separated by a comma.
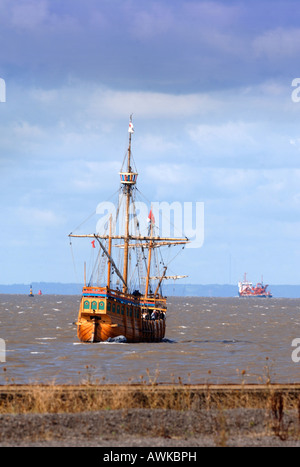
[(128, 180)]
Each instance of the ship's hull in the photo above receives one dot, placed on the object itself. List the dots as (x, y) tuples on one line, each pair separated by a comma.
[(105, 314), (152, 331), (247, 290), (261, 295)]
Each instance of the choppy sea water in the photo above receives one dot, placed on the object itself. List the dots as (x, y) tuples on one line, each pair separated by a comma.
[(214, 340)]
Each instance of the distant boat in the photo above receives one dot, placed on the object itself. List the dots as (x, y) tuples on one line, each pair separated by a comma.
[(135, 307), (39, 292), (246, 289), (30, 292)]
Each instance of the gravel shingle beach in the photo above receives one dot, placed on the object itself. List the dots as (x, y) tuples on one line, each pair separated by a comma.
[(148, 428), (145, 416)]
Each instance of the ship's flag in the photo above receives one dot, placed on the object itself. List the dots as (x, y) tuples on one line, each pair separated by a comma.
[(93, 243), (130, 129), (151, 217)]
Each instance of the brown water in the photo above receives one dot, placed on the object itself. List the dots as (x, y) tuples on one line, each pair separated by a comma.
[(207, 340)]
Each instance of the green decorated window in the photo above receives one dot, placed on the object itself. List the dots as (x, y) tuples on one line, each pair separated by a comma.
[(108, 306), (86, 305), (113, 308), (94, 305), (101, 305), (118, 309)]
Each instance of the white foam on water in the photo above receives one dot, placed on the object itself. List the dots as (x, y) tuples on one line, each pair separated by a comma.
[(45, 338)]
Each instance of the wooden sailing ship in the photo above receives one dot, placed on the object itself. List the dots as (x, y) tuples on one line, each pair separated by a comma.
[(137, 312)]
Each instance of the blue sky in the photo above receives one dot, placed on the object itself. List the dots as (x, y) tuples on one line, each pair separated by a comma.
[(209, 86)]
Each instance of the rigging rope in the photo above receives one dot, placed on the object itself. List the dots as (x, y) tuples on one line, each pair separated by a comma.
[(73, 260), (169, 220), (94, 212)]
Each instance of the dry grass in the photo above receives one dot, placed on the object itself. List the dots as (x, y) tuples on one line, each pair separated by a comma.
[(39, 398)]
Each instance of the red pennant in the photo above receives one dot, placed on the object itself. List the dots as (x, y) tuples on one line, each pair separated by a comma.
[(151, 217)]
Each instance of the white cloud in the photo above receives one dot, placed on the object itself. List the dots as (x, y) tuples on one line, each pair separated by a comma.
[(166, 173), (152, 22), (90, 103), (230, 138), (155, 145), (37, 16), (277, 43), (45, 96), (90, 176), (148, 104), (212, 13), (38, 218), (25, 130), (29, 14)]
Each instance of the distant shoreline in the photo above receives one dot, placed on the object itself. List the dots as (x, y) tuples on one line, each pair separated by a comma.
[(170, 290)]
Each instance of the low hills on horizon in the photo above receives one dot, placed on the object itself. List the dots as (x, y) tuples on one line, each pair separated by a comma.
[(179, 290)]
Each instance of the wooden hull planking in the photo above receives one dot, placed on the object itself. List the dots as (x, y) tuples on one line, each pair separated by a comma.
[(107, 314)]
